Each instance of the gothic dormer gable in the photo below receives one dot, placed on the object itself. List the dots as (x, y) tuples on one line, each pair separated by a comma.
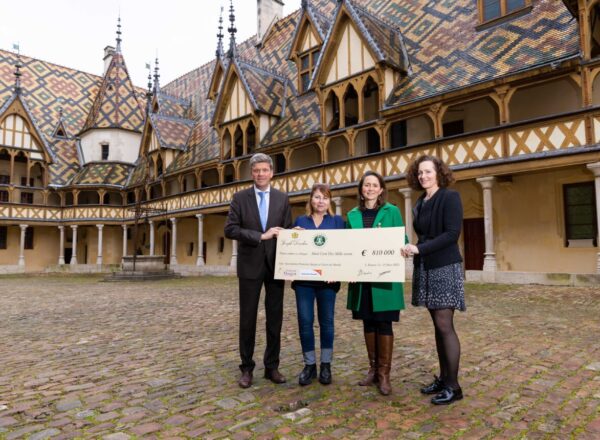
[(357, 42), (248, 89), (19, 130), (216, 79)]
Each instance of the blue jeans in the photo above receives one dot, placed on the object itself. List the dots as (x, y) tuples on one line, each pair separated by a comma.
[(305, 304)]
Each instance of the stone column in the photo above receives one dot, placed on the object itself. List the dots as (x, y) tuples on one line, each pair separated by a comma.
[(61, 251), (124, 239), (338, 205), (408, 224), (74, 254), (99, 258), (200, 259), (151, 223), (234, 252), (489, 261), (22, 246), (595, 168), (173, 260)]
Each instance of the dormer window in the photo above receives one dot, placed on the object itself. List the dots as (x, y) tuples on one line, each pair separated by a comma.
[(105, 151), (307, 62), (492, 10)]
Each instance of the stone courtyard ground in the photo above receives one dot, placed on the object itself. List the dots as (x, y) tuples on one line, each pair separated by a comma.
[(80, 358)]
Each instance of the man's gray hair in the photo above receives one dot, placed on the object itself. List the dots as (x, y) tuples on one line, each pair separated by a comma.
[(260, 158)]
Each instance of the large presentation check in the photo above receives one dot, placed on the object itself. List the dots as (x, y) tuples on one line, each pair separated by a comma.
[(340, 255)]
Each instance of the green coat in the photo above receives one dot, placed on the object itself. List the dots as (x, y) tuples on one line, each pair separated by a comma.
[(386, 296)]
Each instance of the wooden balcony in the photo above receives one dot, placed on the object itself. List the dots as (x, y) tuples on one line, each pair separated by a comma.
[(498, 145)]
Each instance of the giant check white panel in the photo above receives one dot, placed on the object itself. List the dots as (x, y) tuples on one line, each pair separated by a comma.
[(340, 255)]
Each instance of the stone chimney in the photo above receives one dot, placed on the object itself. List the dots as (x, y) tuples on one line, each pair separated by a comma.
[(109, 51), (267, 10)]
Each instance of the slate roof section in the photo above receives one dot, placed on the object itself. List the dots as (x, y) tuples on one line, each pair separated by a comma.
[(103, 174), (117, 104)]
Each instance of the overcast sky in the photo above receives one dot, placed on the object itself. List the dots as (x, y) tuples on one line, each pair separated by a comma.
[(73, 33)]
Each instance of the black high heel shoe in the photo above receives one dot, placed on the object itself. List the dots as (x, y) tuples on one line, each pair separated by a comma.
[(447, 396), (307, 375), (434, 387)]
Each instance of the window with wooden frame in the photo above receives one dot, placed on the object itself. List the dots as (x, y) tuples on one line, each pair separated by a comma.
[(580, 214), (27, 198), (3, 236), (29, 238), (491, 10), (3, 196), (306, 66)]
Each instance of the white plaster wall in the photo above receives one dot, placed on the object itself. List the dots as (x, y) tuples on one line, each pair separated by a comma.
[(124, 146)]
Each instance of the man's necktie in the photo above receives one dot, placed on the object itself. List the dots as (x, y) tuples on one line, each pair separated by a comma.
[(262, 209)]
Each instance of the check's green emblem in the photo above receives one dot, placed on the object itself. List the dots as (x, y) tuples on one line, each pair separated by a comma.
[(319, 240)]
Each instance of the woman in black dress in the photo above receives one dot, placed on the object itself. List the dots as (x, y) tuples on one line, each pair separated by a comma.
[(438, 275)]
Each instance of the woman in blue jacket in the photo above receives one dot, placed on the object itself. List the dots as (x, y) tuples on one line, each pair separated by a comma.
[(319, 215)]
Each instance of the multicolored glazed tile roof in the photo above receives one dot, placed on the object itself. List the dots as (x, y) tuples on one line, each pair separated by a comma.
[(171, 132), (445, 51), (302, 119), (117, 104), (103, 173)]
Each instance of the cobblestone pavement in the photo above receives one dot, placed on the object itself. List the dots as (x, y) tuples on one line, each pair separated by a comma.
[(80, 358)]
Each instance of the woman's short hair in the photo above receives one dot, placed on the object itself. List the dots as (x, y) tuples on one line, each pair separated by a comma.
[(382, 197), (323, 188), (443, 172)]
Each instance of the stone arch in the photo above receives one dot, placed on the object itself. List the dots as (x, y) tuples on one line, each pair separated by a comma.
[(539, 100), (332, 112), (350, 106), (370, 92), (366, 142), (338, 148), (226, 142), (209, 177), (238, 141), (466, 117), (304, 157), (228, 173), (251, 138)]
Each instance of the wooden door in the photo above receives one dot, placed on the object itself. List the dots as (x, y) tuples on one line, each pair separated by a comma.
[(474, 238)]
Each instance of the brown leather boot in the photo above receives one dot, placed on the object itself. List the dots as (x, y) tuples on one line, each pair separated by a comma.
[(385, 345), (371, 343)]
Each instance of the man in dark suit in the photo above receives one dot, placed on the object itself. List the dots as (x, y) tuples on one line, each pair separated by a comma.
[(256, 216)]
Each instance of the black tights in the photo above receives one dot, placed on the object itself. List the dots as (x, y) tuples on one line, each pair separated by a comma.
[(448, 345), (379, 327)]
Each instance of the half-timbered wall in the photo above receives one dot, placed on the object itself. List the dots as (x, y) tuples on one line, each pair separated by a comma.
[(239, 104), (351, 57)]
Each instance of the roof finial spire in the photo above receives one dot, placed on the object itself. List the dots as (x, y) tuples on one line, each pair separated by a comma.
[(18, 66), (119, 33), (232, 30), (156, 76), (220, 36), (149, 91)]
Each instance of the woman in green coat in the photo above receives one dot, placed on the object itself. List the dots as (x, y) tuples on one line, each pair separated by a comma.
[(376, 304)]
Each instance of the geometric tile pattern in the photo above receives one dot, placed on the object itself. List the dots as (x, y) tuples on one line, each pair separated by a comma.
[(117, 104), (302, 119), (172, 132), (103, 173)]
